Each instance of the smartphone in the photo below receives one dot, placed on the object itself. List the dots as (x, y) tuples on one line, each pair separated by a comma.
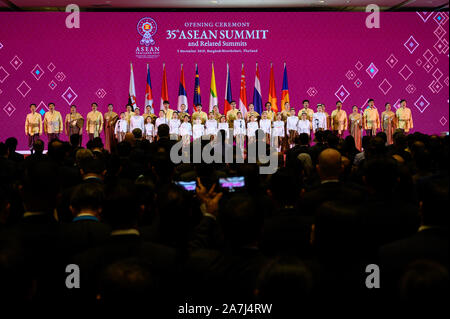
[(232, 183), (189, 186)]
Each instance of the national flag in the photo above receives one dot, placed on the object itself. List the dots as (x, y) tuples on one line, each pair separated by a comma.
[(148, 91), (228, 97), (197, 97), (285, 89), (182, 97), (272, 91), (212, 91), (257, 97), (243, 94), (132, 90), (164, 89)]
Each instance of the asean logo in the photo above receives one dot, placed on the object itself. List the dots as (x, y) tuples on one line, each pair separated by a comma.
[(147, 28)]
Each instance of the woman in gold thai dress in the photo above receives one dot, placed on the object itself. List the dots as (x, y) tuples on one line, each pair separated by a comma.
[(356, 126), (388, 123)]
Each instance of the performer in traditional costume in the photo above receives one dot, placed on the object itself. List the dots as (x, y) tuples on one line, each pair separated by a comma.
[(149, 129), (199, 114), (111, 118), (404, 117), (306, 109), (371, 119), (53, 124), (211, 126), (291, 128), (319, 121), (304, 125), (252, 127), (174, 126), (121, 128), (94, 122), (33, 126), (356, 126), (388, 123), (339, 120), (278, 133)]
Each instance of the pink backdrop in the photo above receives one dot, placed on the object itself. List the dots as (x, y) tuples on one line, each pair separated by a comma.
[(41, 60)]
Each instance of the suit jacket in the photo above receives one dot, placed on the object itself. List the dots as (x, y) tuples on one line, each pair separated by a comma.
[(16, 157), (430, 244), (161, 260), (36, 237), (8, 170), (330, 191), (219, 277), (286, 232), (207, 235), (78, 236), (315, 152), (386, 220)]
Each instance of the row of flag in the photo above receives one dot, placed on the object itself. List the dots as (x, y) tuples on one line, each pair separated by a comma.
[(213, 99)]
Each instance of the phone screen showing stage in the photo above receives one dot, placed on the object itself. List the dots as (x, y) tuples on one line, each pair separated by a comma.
[(232, 183), (189, 186)]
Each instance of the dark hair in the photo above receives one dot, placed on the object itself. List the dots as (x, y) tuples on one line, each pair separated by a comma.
[(75, 139), (365, 142), (370, 100), (56, 150), (87, 196), (349, 144), (336, 229), (163, 130), (319, 136), (120, 208), (304, 139), (129, 281), (97, 142), (199, 104), (3, 149), (137, 132), (11, 142), (51, 103), (73, 105), (285, 186), (381, 175), (173, 205), (305, 101), (166, 102), (32, 105), (383, 136), (241, 220), (38, 146), (425, 282), (285, 280), (333, 141), (338, 102), (41, 186), (94, 103), (434, 195), (403, 100), (92, 166)]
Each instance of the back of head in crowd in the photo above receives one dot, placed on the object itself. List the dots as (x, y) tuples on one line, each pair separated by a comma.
[(241, 221)]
